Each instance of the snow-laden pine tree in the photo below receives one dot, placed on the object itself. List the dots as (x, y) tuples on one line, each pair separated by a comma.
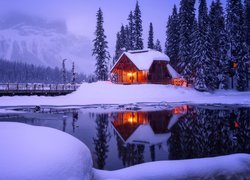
[(127, 39), (100, 49), (189, 69), (224, 61), (151, 37), (138, 28), (157, 46), (131, 31), (247, 22), (123, 38), (218, 43), (118, 47), (205, 75), (121, 44), (186, 21), (237, 40), (173, 36), (242, 73)]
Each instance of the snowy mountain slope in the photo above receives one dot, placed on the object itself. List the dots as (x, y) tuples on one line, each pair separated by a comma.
[(43, 42)]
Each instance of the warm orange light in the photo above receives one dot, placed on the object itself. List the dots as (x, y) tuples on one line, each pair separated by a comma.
[(234, 65), (180, 109), (179, 82), (130, 120), (130, 74)]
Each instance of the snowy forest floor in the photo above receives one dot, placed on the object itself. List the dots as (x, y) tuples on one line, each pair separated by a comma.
[(108, 93)]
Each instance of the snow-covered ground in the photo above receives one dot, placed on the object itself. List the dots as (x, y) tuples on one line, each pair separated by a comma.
[(30, 152), (231, 167), (108, 93)]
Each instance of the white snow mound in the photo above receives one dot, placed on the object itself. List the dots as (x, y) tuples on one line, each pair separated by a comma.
[(30, 152), (231, 167)]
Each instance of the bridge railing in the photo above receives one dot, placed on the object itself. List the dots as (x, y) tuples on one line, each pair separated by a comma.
[(37, 87)]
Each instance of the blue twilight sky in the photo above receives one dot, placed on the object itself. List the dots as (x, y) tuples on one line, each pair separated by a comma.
[(81, 14)]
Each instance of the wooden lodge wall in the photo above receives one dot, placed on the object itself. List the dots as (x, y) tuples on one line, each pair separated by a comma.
[(128, 73)]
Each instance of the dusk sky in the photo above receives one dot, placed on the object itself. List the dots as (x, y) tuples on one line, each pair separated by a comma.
[(81, 14)]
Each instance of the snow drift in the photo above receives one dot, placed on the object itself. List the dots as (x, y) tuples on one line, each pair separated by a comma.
[(29, 152), (232, 167)]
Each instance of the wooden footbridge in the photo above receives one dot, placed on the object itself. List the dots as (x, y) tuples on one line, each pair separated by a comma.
[(17, 89)]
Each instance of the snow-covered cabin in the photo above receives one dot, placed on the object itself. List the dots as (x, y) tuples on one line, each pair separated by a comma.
[(143, 66)]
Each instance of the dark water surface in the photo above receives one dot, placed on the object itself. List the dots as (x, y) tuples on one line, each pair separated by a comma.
[(122, 138)]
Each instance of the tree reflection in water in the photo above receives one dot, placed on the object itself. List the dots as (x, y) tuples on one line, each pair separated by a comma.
[(130, 154), (205, 132), (101, 141)]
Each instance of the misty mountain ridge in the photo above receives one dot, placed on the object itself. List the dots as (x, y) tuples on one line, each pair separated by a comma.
[(40, 41)]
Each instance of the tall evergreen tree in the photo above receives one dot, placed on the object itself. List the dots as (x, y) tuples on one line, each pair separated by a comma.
[(118, 47), (186, 21), (205, 75), (224, 61), (173, 36), (121, 43), (247, 21), (100, 49), (131, 31), (236, 35), (157, 46), (127, 38), (123, 38), (189, 69), (138, 27), (151, 37), (218, 42)]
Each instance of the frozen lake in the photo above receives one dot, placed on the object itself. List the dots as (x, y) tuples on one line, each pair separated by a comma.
[(122, 136)]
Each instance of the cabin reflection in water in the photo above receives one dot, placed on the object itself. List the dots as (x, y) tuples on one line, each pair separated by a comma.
[(146, 127)]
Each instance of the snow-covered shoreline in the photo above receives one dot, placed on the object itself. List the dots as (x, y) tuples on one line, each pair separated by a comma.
[(108, 93), (235, 166)]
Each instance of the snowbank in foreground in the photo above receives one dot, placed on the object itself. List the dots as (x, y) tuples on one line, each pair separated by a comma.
[(30, 152), (233, 167), (108, 93)]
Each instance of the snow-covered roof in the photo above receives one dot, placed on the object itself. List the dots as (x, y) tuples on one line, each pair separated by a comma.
[(145, 134), (173, 72), (144, 58)]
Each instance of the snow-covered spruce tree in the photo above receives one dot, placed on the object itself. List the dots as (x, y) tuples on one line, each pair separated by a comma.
[(238, 50), (100, 49), (186, 21), (123, 38), (138, 28), (189, 69), (224, 61), (205, 75), (151, 37), (120, 44), (117, 48), (127, 39), (131, 31), (218, 42), (173, 36), (242, 74), (157, 45), (247, 22)]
